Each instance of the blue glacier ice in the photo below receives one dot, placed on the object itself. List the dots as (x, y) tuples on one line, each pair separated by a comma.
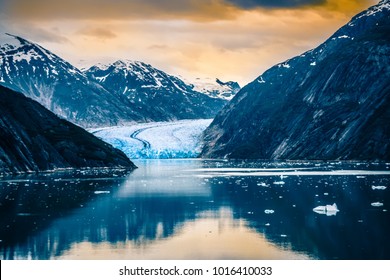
[(156, 140)]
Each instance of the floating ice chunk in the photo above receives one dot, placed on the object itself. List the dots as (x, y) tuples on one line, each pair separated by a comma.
[(377, 204), (379, 187), (267, 224), (24, 214), (279, 183), (262, 184), (283, 235), (328, 210), (313, 64), (269, 211), (101, 192)]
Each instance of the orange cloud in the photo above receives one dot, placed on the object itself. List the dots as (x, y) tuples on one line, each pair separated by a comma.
[(98, 32), (212, 38)]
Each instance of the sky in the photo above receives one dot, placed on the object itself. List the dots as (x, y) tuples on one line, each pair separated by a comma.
[(228, 39)]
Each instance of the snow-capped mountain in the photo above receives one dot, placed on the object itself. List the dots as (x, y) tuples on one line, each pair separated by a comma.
[(41, 75), (154, 93), (331, 102), (122, 92), (215, 88), (34, 139)]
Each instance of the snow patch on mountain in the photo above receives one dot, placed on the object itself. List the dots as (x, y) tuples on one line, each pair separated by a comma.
[(382, 5), (179, 139)]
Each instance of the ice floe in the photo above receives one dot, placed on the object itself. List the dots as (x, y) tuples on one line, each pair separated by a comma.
[(377, 204), (101, 192), (379, 187), (328, 210)]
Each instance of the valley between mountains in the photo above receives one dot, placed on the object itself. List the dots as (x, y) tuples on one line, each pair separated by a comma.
[(122, 160), (330, 103)]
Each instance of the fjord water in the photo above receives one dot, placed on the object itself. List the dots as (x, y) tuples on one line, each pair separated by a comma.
[(199, 209)]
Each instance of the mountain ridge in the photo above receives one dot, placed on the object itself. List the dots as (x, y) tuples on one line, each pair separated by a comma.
[(153, 92), (333, 106), (63, 89), (86, 100)]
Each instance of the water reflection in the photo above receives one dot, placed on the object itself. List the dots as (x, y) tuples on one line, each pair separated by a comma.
[(182, 209)]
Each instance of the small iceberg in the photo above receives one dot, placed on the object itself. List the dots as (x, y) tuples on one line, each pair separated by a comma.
[(279, 183), (379, 187), (328, 210), (269, 211), (101, 192), (377, 204)]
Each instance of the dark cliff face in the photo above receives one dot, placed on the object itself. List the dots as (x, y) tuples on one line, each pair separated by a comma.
[(332, 102), (34, 139), (153, 93)]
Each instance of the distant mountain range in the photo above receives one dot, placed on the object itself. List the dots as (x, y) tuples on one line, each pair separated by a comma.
[(34, 139), (215, 87), (152, 93), (104, 95), (332, 102)]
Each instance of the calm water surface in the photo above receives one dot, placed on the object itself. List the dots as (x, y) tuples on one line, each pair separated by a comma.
[(197, 209)]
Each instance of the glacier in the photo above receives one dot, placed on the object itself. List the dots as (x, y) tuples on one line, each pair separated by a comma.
[(156, 140)]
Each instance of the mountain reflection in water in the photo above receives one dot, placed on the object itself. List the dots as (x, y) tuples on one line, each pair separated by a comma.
[(196, 209)]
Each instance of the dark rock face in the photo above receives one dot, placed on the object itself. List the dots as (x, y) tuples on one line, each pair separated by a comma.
[(34, 139), (153, 93), (330, 103)]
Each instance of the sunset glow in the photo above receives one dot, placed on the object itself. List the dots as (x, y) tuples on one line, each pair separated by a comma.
[(228, 39)]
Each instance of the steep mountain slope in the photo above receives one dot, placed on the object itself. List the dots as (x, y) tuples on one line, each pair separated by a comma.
[(215, 87), (153, 93), (39, 74), (34, 139), (329, 103)]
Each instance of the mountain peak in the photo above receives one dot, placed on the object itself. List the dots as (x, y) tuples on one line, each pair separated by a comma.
[(329, 103), (15, 49), (129, 62), (215, 88), (373, 10), (125, 64), (9, 42)]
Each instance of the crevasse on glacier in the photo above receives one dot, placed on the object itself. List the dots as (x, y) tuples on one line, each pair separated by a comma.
[(180, 139)]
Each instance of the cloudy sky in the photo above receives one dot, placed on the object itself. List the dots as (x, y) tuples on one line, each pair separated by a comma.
[(229, 39)]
